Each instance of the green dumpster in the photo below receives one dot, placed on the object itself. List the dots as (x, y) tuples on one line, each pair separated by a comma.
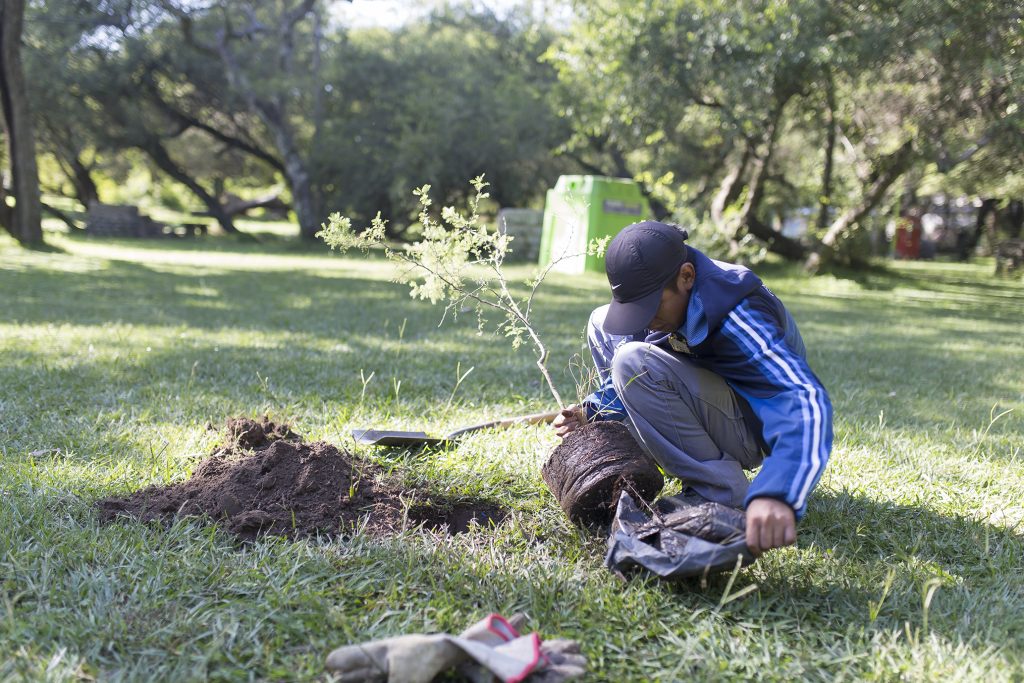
[(582, 207)]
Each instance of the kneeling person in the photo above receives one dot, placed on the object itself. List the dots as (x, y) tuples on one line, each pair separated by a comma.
[(707, 368)]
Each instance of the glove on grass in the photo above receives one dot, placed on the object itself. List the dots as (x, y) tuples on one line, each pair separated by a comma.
[(490, 650)]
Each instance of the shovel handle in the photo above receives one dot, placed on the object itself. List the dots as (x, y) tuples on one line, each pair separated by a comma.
[(536, 418)]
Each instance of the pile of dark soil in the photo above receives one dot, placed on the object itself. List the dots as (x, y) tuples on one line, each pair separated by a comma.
[(265, 480), (593, 465)]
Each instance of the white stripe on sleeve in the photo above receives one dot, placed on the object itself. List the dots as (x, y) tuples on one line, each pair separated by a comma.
[(809, 399)]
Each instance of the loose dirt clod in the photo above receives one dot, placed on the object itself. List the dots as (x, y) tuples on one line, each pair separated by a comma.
[(593, 465), (265, 480), (245, 433)]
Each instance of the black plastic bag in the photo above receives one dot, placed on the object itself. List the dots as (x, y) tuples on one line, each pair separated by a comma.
[(678, 539)]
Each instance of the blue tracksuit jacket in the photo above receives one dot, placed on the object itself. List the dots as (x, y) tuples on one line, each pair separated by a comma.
[(738, 329)]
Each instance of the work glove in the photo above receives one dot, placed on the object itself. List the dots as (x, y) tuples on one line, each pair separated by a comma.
[(564, 661), (411, 658), (490, 650)]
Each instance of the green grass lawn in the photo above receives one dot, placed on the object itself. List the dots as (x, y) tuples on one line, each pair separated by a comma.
[(114, 355)]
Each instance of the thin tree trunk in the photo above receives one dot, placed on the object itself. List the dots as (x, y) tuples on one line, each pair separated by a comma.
[(729, 189), (706, 183), (992, 231), (271, 111), (755, 193), (1015, 218), (301, 184), (81, 179), (158, 153), (748, 220), (66, 219), (825, 200), (893, 166), (26, 219), (988, 206), (295, 172), (759, 175), (69, 158)]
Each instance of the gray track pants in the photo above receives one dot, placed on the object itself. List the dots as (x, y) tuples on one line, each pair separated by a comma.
[(686, 417)]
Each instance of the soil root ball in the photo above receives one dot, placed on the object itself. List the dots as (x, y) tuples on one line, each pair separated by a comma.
[(593, 465)]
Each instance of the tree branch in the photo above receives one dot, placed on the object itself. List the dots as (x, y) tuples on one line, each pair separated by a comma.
[(66, 219), (189, 120), (891, 168), (946, 164), (786, 247)]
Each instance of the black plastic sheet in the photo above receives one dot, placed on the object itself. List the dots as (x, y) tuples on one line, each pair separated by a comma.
[(677, 539)]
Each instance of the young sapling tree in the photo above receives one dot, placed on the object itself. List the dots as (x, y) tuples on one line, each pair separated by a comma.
[(459, 261)]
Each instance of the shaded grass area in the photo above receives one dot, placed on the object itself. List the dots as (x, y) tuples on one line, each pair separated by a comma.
[(114, 356)]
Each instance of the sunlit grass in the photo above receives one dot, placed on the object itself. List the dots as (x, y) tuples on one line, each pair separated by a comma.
[(114, 355)]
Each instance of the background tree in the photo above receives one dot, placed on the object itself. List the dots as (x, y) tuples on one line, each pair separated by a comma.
[(458, 95), (719, 105), (67, 124), (24, 222), (271, 56), (731, 115), (363, 116), (122, 78)]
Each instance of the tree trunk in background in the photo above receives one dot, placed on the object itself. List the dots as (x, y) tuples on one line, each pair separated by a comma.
[(825, 200), (81, 178), (1014, 218), (891, 168), (69, 156), (777, 243), (78, 173), (303, 201), (25, 221), (729, 190), (158, 153), (755, 192), (295, 172), (271, 109), (984, 226), (748, 219)]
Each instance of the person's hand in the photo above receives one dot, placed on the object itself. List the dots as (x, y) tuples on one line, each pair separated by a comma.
[(770, 524), (569, 420)]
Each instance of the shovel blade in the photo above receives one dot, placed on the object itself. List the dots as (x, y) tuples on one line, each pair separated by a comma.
[(383, 437)]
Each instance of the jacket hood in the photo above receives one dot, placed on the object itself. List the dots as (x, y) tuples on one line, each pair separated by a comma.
[(717, 288)]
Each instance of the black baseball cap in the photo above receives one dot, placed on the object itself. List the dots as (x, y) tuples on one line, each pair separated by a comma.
[(640, 262)]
